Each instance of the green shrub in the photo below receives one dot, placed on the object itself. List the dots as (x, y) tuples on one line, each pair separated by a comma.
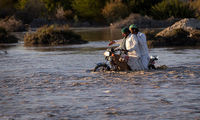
[(52, 35), (28, 10), (141, 6), (7, 8), (52, 5), (7, 38), (114, 11), (89, 9), (169, 8)]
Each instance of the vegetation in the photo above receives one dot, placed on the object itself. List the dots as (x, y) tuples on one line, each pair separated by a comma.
[(114, 11), (7, 38), (141, 6), (196, 5), (52, 35), (27, 10), (7, 8), (175, 8), (90, 9), (96, 10)]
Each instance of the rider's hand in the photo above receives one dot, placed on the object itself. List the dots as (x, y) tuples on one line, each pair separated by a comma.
[(111, 42)]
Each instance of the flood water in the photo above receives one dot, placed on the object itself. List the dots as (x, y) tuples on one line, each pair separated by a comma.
[(55, 83)]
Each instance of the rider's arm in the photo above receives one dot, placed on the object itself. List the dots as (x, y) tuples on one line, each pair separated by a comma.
[(118, 41), (115, 42)]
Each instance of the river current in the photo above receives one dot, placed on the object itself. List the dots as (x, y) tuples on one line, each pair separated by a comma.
[(56, 83)]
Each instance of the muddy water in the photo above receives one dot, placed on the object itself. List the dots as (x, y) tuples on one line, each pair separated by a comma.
[(54, 83)]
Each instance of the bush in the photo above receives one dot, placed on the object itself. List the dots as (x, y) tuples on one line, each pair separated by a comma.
[(52, 5), (62, 14), (28, 10), (142, 6), (7, 8), (12, 24), (69, 14), (196, 5), (7, 38), (175, 8), (88, 9), (52, 35), (114, 11)]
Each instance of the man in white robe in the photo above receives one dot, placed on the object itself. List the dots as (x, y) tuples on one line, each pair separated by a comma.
[(134, 52), (144, 52)]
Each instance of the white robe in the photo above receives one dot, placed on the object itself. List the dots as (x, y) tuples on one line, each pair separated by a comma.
[(134, 53), (143, 49)]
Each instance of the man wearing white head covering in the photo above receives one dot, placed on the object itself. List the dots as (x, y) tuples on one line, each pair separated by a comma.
[(134, 52), (142, 46)]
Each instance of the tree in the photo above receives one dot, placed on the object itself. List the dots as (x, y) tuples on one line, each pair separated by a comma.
[(66, 4), (88, 8), (30, 9), (114, 11), (141, 6), (169, 8), (196, 5), (52, 5), (7, 7)]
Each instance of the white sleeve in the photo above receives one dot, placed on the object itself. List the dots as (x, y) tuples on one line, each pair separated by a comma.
[(118, 41)]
